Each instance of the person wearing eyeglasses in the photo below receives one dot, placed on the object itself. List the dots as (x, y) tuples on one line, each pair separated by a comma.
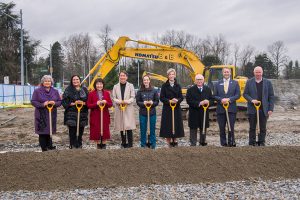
[(197, 96)]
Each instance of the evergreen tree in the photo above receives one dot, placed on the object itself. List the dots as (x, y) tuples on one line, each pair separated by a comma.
[(297, 70), (267, 65), (249, 67), (210, 60), (10, 43), (111, 79), (57, 62)]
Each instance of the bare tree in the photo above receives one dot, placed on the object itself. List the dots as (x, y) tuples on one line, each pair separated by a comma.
[(246, 56), (80, 53), (216, 46), (105, 37), (236, 52), (277, 53)]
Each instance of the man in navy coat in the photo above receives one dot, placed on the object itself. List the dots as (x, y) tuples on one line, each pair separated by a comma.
[(226, 91), (259, 89)]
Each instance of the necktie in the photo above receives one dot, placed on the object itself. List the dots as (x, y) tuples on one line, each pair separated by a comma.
[(226, 86), (200, 89)]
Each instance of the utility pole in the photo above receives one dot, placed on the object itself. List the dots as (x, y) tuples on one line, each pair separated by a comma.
[(22, 50)]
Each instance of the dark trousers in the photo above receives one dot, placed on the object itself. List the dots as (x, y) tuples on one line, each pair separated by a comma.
[(222, 120), (193, 137), (262, 128), (129, 138), (45, 142), (74, 140)]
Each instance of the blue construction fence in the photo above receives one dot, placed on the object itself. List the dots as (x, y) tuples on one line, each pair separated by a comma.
[(16, 94)]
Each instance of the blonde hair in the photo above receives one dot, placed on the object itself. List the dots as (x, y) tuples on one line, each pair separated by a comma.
[(171, 70)]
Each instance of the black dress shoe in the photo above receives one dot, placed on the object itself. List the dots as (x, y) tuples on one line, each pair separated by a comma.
[(98, 146), (224, 145), (203, 144), (52, 148), (44, 149)]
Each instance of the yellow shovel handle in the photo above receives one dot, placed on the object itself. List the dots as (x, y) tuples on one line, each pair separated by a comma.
[(79, 106), (226, 105), (172, 105), (257, 105), (50, 107), (123, 106), (205, 106), (102, 105), (148, 106)]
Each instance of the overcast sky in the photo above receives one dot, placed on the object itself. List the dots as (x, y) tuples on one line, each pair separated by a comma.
[(255, 22)]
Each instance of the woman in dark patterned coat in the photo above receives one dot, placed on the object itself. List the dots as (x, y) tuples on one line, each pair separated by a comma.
[(73, 94), (41, 97)]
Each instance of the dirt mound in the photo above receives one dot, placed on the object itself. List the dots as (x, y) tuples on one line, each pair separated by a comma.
[(72, 169)]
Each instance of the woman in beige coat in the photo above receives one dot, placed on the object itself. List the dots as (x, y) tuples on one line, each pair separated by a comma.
[(123, 97)]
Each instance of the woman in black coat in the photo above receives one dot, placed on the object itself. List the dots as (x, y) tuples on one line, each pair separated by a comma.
[(171, 93), (73, 94)]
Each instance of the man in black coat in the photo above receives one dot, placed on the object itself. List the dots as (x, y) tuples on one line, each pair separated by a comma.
[(197, 96), (227, 91), (259, 89)]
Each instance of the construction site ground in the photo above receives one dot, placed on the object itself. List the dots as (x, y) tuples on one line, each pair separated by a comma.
[(24, 167)]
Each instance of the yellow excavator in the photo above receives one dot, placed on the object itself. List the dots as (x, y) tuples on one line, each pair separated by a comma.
[(163, 53)]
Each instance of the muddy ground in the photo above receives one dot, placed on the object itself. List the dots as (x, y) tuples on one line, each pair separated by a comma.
[(91, 168)]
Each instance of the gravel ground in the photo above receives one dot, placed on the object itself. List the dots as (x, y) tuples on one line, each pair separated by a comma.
[(273, 139), (250, 189)]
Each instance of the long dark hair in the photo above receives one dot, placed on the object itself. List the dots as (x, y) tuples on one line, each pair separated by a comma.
[(143, 85), (71, 82), (99, 80)]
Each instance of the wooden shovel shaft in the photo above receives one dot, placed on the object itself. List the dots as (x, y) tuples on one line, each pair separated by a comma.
[(78, 120), (228, 121), (257, 124), (50, 123), (203, 126)]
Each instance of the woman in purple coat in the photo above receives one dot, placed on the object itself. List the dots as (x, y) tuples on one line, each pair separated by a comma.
[(41, 97)]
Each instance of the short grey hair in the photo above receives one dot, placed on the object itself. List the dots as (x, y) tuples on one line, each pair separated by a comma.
[(171, 70), (47, 77)]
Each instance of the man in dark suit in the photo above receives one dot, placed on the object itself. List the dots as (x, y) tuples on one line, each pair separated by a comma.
[(198, 95), (259, 89), (227, 91)]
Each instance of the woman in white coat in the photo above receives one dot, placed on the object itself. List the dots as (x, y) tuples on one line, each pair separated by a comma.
[(123, 97)]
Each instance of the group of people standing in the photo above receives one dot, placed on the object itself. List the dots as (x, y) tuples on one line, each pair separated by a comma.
[(77, 101)]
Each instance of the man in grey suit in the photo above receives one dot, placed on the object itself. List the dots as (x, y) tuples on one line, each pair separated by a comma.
[(259, 89), (227, 91)]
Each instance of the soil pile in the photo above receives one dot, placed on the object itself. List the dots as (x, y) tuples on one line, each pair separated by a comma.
[(70, 169)]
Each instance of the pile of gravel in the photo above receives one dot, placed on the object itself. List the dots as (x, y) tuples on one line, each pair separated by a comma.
[(250, 189)]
